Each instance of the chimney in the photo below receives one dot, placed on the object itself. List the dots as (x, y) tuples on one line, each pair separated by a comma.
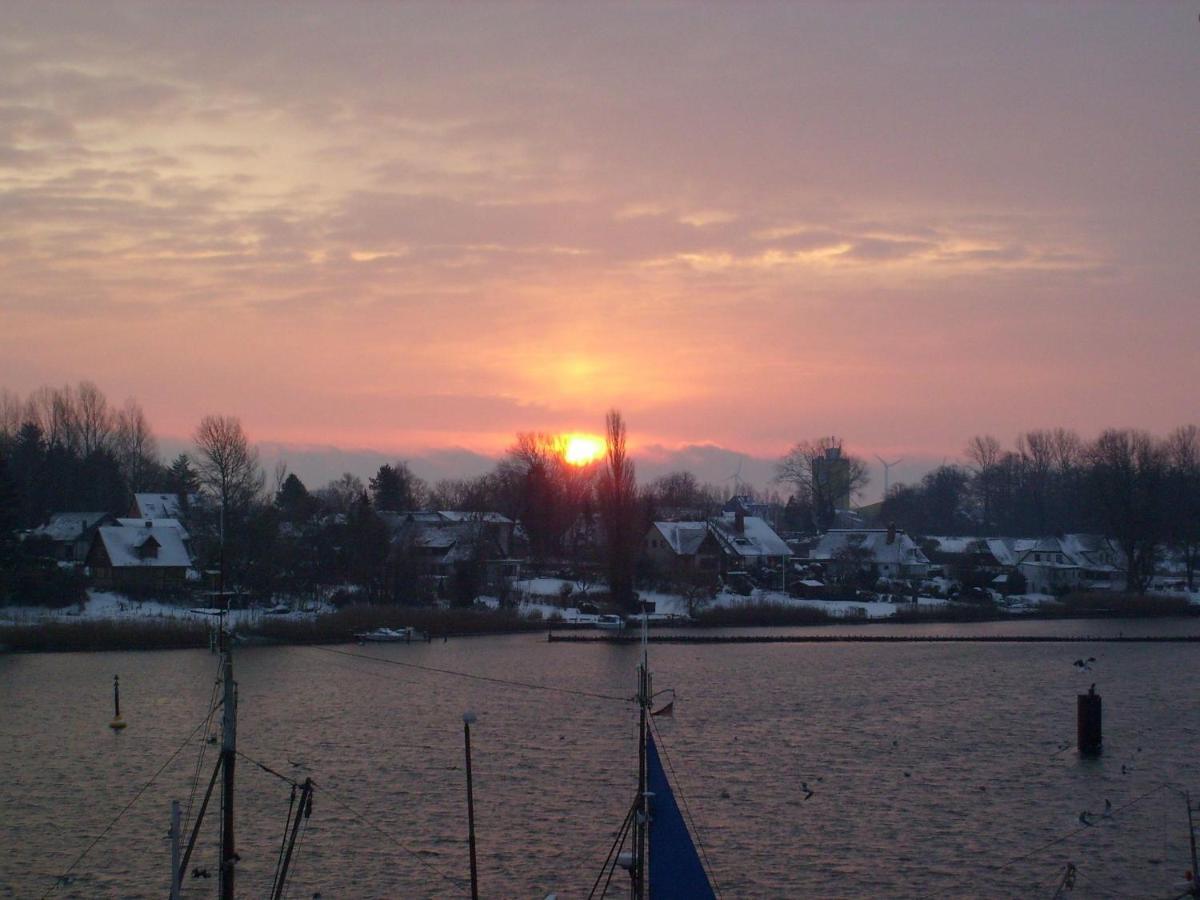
[(739, 520), (891, 538)]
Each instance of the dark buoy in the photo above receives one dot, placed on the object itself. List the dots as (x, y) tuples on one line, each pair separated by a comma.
[(1089, 723), (117, 723)]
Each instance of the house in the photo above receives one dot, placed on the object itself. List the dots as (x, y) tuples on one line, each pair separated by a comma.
[(70, 533), (747, 542), (441, 543), (888, 551), (143, 557), (1048, 568), (1101, 562), (158, 506), (677, 547)]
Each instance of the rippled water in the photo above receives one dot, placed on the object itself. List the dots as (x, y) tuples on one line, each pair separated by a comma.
[(932, 765)]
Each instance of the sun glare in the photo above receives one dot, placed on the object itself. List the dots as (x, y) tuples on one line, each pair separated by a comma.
[(581, 449)]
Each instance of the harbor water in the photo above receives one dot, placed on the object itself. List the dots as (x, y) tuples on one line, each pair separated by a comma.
[(810, 770)]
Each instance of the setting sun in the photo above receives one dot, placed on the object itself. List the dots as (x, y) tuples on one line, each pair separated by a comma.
[(581, 449)]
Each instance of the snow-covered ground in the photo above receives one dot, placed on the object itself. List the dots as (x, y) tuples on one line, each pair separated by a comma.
[(102, 605)]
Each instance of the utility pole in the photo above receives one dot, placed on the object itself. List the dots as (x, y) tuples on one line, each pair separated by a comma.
[(468, 718)]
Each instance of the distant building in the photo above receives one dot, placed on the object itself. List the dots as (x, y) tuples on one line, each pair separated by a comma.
[(748, 542), (140, 558), (831, 473), (679, 547), (70, 533), (159, 506), (892, 553)]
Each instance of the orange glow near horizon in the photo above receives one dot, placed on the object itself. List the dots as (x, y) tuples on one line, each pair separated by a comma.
[(581, 449)]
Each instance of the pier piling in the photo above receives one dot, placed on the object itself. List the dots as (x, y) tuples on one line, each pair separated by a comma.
[(1089, 723)]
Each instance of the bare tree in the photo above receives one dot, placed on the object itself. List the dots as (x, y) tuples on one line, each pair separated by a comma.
[(1127, 476), (135, 447), (12, 415), (618, 511), (1183, 457), (227, 465), (93, 420), (822, 476)]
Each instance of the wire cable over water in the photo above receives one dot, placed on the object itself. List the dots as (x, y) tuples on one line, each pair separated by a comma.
[(528, 685), (1070, 834), (62, 879)]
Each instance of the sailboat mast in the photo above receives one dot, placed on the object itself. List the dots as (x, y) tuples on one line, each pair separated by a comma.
[(642, 820), (228, 737)]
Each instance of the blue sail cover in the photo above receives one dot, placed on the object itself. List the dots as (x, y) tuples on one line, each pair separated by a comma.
[(675, 869)]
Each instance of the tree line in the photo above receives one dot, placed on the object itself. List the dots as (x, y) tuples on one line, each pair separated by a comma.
[(1139, 489)]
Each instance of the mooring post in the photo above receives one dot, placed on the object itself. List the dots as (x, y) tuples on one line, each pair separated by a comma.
[(1089, 723)]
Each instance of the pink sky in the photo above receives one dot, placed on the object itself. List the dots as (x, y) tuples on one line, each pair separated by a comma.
[(409, 227)]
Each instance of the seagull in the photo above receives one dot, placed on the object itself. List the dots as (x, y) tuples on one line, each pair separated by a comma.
[(1081, 665), (808, 792)]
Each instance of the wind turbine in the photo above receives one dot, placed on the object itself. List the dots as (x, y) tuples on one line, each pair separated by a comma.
[(736, 477), (887, 470)]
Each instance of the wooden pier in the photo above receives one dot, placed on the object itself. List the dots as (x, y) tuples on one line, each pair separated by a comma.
[(867, 639)]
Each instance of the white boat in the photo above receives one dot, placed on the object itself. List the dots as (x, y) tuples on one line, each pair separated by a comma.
[(610, 623), (384, 635)]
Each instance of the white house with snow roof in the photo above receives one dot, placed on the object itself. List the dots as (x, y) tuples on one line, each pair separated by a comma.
[(682, 546), (748, 542), (889, 551)]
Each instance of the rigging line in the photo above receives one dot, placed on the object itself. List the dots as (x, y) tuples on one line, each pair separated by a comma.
[(612, 869), (109, 827), (522, 684), (1071, 834), (283, 842), (267, 769), (620, 837), (457, 882), (212, 709), (686, 808)]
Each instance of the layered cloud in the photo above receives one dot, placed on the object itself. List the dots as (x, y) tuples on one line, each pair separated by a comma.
[(416, 226)]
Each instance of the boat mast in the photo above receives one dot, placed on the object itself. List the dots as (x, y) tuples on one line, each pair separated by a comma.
[(642, 819), (228, 737)]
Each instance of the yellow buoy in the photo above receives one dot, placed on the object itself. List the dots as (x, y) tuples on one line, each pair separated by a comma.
[(117, 724)]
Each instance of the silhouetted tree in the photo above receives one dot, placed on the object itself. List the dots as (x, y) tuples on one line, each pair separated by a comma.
[(619, 512), (821, 475)]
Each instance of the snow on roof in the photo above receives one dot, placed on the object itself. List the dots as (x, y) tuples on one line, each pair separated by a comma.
[(874, 541), (155, 523), (756, 538), (684, 538), (67, 526), (124, 546), (492, 518), (157, 506)]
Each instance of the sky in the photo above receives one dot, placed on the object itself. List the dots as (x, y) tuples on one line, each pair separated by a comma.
[(417, 229)]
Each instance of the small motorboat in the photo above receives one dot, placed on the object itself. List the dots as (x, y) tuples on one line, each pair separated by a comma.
[(384, 635), (610, 623)]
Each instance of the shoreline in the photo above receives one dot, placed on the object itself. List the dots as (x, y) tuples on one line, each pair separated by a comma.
[(123, 635)]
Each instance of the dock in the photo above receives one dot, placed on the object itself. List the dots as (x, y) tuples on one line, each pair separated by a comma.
[(868, 639)]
